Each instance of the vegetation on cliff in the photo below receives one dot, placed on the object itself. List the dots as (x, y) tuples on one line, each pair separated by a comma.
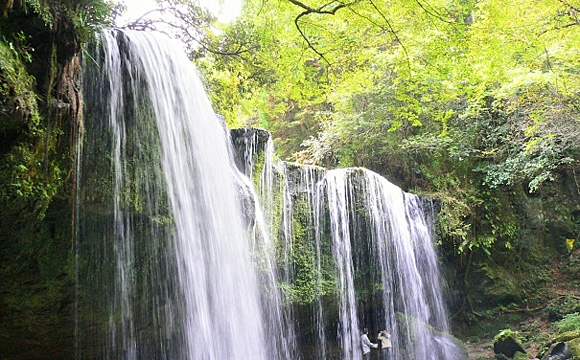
[(40, 114)]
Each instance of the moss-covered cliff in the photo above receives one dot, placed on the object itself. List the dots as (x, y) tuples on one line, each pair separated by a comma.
[(40, 117)]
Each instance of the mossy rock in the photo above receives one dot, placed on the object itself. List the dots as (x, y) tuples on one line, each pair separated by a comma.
[(520, 356), (563, 346), (574, 346), (508, 344), (558, 351), (567, 336)]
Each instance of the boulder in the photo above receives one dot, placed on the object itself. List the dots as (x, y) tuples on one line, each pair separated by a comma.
[(563, 347), (507, 345), (558, 351)]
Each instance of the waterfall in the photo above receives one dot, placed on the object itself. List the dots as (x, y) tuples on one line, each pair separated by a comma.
[(164, 259), (382, 272), (193, 242), (383, 245)]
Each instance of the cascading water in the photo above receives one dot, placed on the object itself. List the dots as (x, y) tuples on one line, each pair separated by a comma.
[(383, 270), (164, 261), (339, 198), (261, 217), (180, 255), (384, 250)]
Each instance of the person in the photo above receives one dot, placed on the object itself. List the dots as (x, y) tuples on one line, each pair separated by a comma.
[(385, 341), (366, 344)]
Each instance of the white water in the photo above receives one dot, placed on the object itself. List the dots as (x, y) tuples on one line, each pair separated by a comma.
[(210, 308), (408, 268), (339, 198), (380, 229), (218, 281), (374, 227)]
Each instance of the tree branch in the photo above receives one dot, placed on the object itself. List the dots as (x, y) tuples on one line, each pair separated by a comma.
[(569, 5), (434, 14), (321, 10), (310, 10), (141, 24), (136, 22), (306, 38), (392, 31), (559, 28)]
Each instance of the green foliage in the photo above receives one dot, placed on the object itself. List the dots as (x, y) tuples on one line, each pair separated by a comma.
[(569, 322), (42, 8), (531, 152), (562, 307), (85, 16), (16, 85), (508, 333), (84, 12), (425, 99), (26, 180), (90, 15)]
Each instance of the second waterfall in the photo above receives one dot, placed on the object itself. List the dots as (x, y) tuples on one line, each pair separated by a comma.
[(189, 248)]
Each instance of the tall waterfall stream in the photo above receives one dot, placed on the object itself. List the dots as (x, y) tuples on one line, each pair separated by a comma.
[(188, 247)]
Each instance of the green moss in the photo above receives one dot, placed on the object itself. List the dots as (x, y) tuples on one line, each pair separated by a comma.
[(18, 106), (298, 257), (574, 346), (304, 285), (507, 333), (29, 178), (259, 161), (567, 336)]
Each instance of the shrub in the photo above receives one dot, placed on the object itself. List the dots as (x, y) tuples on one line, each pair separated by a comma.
[(569, 322)]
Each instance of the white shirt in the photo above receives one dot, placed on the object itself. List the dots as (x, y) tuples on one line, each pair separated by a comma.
[(366, 344)]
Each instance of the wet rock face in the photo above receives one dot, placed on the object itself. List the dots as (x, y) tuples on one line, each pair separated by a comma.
[(247, 139)]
